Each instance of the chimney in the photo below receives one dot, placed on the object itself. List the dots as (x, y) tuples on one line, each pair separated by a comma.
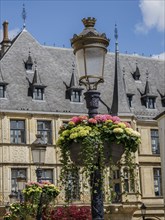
[(5, 31), (5, 44)]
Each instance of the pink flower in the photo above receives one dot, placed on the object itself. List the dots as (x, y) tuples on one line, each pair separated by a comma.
[(92, 121), (100, 118), (127, 124), (83, 117), (109, 117), (44, 182), (79, 119), (116, 119), (75, 120)]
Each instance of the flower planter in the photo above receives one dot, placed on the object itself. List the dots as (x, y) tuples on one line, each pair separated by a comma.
[(92, 132), (112, 153), (75, 153)]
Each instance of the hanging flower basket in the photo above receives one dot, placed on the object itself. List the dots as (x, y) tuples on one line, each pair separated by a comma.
[(111, 151), (100, 140)]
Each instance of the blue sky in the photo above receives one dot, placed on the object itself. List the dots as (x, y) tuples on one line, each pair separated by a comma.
[(140, 22)]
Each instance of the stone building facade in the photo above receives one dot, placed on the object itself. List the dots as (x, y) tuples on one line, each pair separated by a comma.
[(39, 91)]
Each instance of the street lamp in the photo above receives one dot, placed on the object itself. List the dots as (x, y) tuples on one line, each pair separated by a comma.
[(38, 149), (13, 196), (143, 210), (21, 179), (7, 207), (90, 48)]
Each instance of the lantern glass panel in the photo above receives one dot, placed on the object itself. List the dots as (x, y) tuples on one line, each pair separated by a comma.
[(35, 155), (21, 185), (42, 156), (13, 200), (38, 155), (94, 58), (90, 62), (80, 62)]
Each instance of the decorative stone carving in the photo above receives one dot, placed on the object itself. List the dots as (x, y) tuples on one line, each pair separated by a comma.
[(19, 154), (50, 155)]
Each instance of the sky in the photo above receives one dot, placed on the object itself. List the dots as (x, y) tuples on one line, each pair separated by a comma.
[(140, 23)]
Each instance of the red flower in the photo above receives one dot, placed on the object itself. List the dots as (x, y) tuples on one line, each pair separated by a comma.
[(71, 213)]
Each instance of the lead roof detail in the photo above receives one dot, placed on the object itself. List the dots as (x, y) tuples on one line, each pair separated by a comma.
[(53, 66)]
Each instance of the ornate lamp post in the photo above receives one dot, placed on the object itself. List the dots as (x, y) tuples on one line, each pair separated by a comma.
[(7, 207), (143, 210), (21, 179), (13, 197), (90, 48), (38, 149)]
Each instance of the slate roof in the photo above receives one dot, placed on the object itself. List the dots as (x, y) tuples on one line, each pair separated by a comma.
[(54, 66)]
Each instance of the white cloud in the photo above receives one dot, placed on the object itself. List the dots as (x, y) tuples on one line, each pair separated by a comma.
[(12, 33), (153, 15), (159, 56)]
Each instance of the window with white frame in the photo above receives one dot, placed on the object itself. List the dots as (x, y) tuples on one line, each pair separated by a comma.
[(129, 185), (73, 191), (2, 91), (76, 96), (151, 102), (17, 131), (44, 128), (116, 186), (38, 93), (15, 173), (157, 182), (47, 175), (155, 141)]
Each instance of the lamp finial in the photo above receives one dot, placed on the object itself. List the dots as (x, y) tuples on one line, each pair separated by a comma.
[(24, 15), (89, 22)]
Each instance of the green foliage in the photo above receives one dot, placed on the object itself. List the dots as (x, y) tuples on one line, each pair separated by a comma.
[(91, 135), (35, 194), (19, 210)]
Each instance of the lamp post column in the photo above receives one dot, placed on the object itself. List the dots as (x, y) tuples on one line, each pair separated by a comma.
[(39, 174), (38, 149), (90, 48), (97, 206), (143, 210)]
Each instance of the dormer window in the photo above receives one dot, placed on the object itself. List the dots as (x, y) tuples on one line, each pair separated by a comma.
[(162, 98), (76, 96), (28, 66), (3, 90), (148, 98), (38, 93), (73, 91), (149, 101), (37, 87)]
